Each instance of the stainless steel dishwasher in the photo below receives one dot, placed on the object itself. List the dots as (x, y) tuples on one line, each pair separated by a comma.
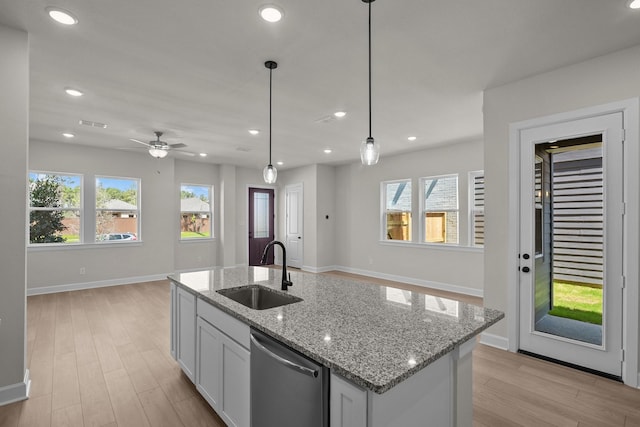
[(287, 388)]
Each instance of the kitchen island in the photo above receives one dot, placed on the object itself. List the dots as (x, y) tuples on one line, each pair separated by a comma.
[(396, 357)]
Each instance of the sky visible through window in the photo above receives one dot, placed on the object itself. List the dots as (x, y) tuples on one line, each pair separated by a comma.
[(198, 190), (117, 183)]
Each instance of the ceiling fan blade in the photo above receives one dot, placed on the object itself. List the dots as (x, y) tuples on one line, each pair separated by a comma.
[(178, 145), (139, 142)]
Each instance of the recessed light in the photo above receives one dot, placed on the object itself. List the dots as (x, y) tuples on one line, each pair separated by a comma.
[(68, 135), (634, 4), (328, 151), (62, 16), (412, 138), (203, 154), (340, 114), (271, 13), (279, 163), (254, 131), (73, 92)]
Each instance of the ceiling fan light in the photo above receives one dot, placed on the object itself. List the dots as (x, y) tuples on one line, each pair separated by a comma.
[(270, 174), (634, 4), (158, 153), (369, 152)]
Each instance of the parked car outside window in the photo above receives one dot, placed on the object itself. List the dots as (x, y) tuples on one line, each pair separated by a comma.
[(118, 236)]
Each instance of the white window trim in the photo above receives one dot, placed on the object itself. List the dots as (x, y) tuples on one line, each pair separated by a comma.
[(471, 204), (80, 209), (138, 212), (422, 208), (211, 227), (383, 210)]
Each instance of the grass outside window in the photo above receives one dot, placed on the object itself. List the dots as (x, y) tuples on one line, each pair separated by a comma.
[(579, 302)]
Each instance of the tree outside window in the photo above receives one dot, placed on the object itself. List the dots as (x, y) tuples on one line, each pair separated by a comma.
[(54, 208), (195, 211)]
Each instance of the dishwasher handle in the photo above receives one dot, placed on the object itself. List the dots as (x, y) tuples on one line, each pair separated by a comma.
[(311, 372)]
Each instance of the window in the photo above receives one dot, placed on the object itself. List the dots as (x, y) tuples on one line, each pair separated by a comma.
[(195, 211), (55, 208), (397, 210), (440, 209), (117, 209), (476, 204)]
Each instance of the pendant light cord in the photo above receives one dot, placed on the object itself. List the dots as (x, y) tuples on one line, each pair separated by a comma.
[(270, 83), (370, 69)]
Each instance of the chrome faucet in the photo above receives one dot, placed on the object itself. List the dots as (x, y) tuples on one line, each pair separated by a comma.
[(286, 282)]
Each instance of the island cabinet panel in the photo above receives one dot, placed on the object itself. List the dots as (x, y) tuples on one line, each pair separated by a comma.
[(223, 364), (172, 307), (348, 403), (208, 362), (186, 332)]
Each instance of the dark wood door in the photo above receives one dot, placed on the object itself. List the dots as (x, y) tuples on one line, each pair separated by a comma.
[(261, 221)]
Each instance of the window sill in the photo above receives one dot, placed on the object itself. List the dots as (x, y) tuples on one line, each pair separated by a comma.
[(196, 240), (75, 246), (436, 246)]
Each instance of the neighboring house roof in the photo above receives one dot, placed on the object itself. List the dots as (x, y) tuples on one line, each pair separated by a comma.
[(193, 204), (119, 205)]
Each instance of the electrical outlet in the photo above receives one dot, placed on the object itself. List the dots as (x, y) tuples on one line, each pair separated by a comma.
[(82, 270)]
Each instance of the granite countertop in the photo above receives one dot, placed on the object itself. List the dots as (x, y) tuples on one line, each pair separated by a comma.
[(376, 336)]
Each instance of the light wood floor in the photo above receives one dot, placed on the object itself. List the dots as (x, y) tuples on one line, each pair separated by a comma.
[(101, 357)]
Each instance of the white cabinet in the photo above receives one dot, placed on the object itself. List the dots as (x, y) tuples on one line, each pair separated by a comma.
[(348, 404), (185, 317), (223, 364)]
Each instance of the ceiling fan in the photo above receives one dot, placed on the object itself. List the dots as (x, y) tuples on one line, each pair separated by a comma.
[(159, 149)]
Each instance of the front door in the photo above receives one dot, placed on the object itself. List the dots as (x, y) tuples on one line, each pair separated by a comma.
[(261, 224), (571, 240), (294, 211)]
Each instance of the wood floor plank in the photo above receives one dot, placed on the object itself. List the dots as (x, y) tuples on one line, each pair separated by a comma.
[(159, 410), (141, 377), (10, 414), (70, 416), (96, 403), (195, 412), (124, 400), (36, 412), (66, 389)]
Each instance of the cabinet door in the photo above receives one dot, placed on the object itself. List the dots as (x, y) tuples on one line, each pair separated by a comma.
[(348, 404), (235, 383), (186, 328), (208, 363), (172, 309)]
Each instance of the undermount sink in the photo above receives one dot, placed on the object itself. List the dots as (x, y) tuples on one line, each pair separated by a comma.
[(258, 297)]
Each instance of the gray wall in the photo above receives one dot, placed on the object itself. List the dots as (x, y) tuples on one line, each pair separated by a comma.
[(14, 122), (599, 81), (358, 219)]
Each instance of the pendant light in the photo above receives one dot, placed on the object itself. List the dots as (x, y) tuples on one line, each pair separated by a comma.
[(270, 173), (369, 151)]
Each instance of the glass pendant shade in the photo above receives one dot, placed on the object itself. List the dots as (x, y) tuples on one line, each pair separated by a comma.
[(158, 153), (369, 152), (270, 174)]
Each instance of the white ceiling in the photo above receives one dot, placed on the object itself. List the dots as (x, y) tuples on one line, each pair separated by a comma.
[(194, 69)]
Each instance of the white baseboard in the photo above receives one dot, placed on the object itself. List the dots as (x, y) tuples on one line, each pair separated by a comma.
[(494, 341), (16, 392), (318, 269), (413, 281), (92, 285)]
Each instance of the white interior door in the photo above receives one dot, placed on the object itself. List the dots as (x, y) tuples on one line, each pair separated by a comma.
[(294, 228), (571, 231)]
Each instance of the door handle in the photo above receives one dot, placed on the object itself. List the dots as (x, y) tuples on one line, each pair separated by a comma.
[(311, 372), (299, 237), (526, 269)]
